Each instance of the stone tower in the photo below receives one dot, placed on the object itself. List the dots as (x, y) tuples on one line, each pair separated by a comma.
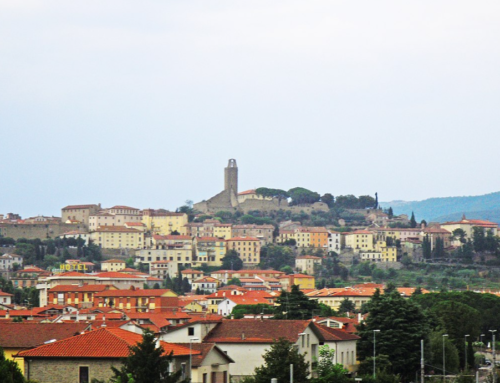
[(231, 176)]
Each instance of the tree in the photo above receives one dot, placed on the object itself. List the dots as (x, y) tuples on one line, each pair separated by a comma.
[(438, 251), (9, 370), (426, 247), (234, 281), (460, 234), (478, 238), (302, 196), (402, 325), (346, 306), (295, 305), (273, 193), (275, 257), (232, 261), (375, 207), (327, 371), (390, 213), (328, 199), (147, 363), (413, 221), (277, 364), (436, 352)]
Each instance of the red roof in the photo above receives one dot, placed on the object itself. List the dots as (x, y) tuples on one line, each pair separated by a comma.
[(246, 192), (173, 237), (2, 294), (79, 207), (255, 331), (133, 293), (115, 274), (89, 288), (32, 334), (101, 343), (123, 207), (332, 334)]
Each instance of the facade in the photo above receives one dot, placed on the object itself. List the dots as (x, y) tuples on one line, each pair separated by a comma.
[(263, 232), (209, 251), (5, 299), (359, 240), (209, 228), (163, 222), (248, 249), (113, 265), (163, 269), (335, 241), (208, 285), (118, 237), (137, 300), (305, 282), (79, 213), (7, 261), (467, 225), (77, 234), (115, 216), (81, 297), (306, 263)]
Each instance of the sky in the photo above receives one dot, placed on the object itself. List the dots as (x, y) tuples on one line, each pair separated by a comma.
[(143, 103)]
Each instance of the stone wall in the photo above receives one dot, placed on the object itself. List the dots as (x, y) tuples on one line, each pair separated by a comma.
[(46, 370), (37, 230)]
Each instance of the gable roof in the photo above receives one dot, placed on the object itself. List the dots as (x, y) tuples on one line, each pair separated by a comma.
[(256, 331), (102, 343), (204, 349), (33, 334), (333, 334)]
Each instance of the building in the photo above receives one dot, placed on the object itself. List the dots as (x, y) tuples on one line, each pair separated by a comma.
[(79, 213), (163, 269), (5, 299), (113, 265), (16, 337), (77, 234), (28, 277), (118, 237), (263, 232), (248, 249), (163, 222), (468, 225), (71, 360), (335, 241), (207, 285), (81, 297), (8, 262), (209, 251), (209, 228), (226, 275), (306, 263), (305, 282), (137, 300), (359, 240), (115, 216)]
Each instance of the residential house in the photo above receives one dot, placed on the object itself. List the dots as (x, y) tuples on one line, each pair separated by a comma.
[(264, 233), (7, 261), (304, 281), (335, 241), (209, 251), (113, 265), (207, 285), (118, 237), (162, 222), (163, 269), (76, 295), (307, 263), (5, 298), (79, 213), (359, 240), (115, 216), (137, 300)]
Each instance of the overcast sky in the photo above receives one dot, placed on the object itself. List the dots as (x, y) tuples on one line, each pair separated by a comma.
[(143, 103)]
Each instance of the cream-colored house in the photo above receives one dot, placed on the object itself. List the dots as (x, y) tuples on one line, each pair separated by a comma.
[(359, 240), (118, 237), (113, 265), (163, 222), (248, 249), (305, 263)]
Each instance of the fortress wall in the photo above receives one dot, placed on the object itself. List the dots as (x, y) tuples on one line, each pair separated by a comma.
[(37, 230)]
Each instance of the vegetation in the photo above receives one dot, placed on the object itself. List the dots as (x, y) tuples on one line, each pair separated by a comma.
[(9, 370)]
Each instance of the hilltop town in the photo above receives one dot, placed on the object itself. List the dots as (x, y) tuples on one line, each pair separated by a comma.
[(216, 280)]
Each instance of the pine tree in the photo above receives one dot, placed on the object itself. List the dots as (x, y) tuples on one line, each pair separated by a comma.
[(390, 213), (277, 364), (402, 325), (413, 221), (426, 247), (147, 364)]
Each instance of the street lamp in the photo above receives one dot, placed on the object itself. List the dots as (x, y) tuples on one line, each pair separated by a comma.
[(374, 353), (482, 344), (494, 357), (465, 366), (191, 340), (444, 359)]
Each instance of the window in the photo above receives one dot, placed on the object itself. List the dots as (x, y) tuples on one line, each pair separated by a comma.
[(84, 374)]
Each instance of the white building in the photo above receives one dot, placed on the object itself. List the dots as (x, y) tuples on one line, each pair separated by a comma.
[(7, 261)]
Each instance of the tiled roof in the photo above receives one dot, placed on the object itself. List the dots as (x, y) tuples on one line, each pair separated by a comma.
[(244, 300), (28, 334), (204, 349), (88, 288), (307, 257), (123, 207), (133, 293), (172, 237), (210, 239), (246, 192), (2, 294), (101, 343), (332, 334), (134, 224), (191, 271), (79, 207), (237, 227), (256, 331), (114, 261), (117, 275)]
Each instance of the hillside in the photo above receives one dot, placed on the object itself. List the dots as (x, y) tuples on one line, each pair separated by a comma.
[(450, 208)]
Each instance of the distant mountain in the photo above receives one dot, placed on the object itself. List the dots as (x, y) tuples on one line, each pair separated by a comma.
[(450, 208)]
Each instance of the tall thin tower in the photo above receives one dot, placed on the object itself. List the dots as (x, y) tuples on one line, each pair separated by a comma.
[(231, 176)]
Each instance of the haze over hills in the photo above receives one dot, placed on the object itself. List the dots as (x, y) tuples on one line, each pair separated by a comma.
[(450, 208)]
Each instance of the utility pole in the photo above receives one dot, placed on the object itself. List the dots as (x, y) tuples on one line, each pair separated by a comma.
[(494, 358), (422, 365)]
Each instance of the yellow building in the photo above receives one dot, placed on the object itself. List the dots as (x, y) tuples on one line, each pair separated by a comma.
[(209, 251), (164, 223), (248, 248), (118, 237), (302, 280), (359, 240), (303, 237), (467, 225), (113, 265)]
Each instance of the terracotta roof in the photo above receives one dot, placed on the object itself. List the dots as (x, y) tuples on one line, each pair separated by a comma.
[(245, 300), (253, 227), (28, 334), (246, 192), (256, 331), (308, 257), (114, 261), (359, 232), (79, 207), (123, 207), (2, 294), (332, 334), (134, 224), (101, 343), (210, 239), (191, 271), (435, 230), (204, 349), (133, 293), (90, 288), (115, 274), (173, 237)]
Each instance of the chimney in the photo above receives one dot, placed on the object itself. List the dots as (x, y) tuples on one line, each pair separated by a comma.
[(232, 316), (7, 314), (157, 342), (103, 321), (243, 336), (360, 317)]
